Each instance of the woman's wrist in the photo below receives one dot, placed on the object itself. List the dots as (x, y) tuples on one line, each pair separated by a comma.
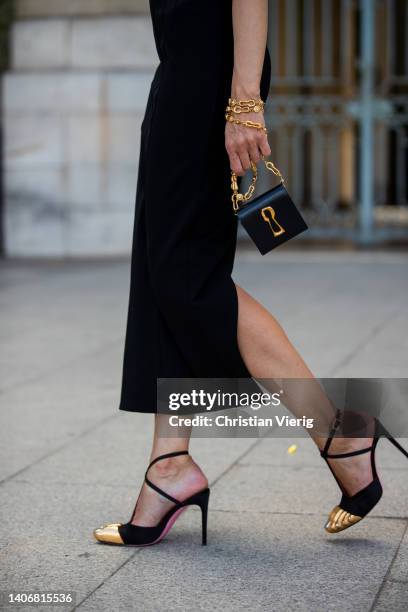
[(245, 91)]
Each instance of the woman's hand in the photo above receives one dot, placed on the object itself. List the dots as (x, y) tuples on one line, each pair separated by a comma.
[(244, 144)]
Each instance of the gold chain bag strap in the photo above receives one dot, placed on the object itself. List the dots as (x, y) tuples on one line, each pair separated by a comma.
[(272, 218)]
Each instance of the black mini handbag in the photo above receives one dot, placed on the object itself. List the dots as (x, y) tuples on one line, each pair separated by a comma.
[(271, 219)]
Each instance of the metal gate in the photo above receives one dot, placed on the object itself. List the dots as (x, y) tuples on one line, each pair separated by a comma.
[(338, 113)]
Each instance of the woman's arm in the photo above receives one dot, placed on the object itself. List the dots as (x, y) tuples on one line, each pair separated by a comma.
[(250, 21)]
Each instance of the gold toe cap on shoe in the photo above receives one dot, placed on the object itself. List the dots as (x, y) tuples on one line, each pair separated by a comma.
[(339, 520), (109, 533)]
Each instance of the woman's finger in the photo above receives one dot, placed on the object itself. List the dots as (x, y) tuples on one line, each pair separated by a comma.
[(244, 157), (264, 146), (235, 164), (254, 152)]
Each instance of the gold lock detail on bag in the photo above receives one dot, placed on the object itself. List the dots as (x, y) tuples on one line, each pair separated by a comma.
[(269, 216)]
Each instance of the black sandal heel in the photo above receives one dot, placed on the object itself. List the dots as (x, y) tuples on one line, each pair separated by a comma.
[(133, 535), (353, 509)]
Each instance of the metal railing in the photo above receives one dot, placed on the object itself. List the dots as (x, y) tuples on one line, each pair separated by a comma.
[(338, 113)]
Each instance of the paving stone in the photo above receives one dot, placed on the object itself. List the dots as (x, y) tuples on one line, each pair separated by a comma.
[(399, 568), (83, 461), (274, 452), (301, 490), (253, 561), (42, 415), (47, 538), (394, 596)]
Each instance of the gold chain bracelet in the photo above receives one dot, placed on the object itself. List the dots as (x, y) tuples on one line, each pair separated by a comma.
[(236, 107), (245, 106), (249, 124)]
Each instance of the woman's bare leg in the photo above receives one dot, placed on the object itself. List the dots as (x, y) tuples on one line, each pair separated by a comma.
[(268, 354), (179, 476)]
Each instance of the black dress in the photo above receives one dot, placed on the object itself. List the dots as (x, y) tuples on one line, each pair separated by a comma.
[(183, 307)]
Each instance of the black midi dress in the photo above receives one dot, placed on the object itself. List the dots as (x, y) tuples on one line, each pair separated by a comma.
[(183, 307)]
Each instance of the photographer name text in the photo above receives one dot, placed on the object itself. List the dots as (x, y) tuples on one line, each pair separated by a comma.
[(223, 420)]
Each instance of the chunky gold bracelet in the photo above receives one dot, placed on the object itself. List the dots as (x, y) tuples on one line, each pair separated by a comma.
[(249, 124), (245, 106)]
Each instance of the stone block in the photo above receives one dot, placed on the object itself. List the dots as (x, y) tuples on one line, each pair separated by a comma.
[(34, 228), (100, 234), (121, 184), (55, 92), (46, 8), (123, 135), (113, 42), (33, 140), (85, 142), (128, 91), (84, 186), (40, 44), (31, 186)]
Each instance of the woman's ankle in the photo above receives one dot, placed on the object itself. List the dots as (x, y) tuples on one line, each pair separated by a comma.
[(170, 467)]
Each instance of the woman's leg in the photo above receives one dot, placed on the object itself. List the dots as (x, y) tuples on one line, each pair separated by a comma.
[(179, 476), (268, 354)]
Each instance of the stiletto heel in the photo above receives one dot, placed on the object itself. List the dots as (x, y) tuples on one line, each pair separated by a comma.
[(354, 508), (393, 441), (203, 503), (134, 535)]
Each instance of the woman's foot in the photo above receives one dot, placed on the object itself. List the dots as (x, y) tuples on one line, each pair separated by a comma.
[(352, 461), (156, 511), (179, 476), (353, 473)]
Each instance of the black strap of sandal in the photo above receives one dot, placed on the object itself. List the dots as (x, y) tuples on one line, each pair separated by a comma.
[(153, 486), (333, 430), (324, 453), (351, 454)]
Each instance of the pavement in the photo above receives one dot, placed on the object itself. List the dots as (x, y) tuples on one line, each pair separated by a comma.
[(70, 461)]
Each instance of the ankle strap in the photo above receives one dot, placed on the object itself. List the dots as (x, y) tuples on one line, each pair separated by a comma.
[(333, 430), (167, 456), (326, 455), (153, 486)]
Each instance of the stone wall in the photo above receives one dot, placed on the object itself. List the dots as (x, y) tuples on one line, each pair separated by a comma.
[(74, 99), (48, 8)]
